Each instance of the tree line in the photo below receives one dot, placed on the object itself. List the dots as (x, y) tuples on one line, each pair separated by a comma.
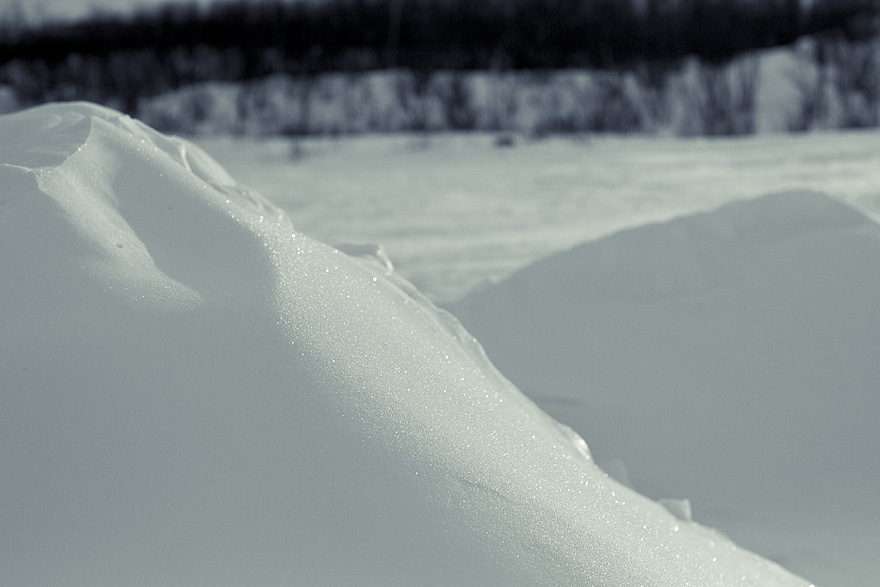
[(111, 57)]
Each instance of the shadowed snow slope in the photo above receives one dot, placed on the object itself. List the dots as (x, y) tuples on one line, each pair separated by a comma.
[(730, 357), (195, 394)]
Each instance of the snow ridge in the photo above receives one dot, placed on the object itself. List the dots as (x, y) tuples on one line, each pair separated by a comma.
[(194, 393)]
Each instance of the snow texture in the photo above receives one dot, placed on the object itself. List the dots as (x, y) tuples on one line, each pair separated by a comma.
[(194, 393), (729, 357)]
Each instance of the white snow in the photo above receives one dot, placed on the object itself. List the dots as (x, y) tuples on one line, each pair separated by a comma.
[(729, 357), (194, 393), (454, 211)]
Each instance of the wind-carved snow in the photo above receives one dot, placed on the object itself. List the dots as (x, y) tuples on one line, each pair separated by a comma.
[(194, 393), (370, 251)]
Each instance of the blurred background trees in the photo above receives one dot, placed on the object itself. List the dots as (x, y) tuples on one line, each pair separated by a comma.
[(123, 60)]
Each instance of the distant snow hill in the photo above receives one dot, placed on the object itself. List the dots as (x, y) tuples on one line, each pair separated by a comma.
[(194, 393), (732, 357)]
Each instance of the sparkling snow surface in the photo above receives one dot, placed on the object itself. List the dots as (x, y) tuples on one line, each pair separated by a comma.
[(194, 393), (729, 358)]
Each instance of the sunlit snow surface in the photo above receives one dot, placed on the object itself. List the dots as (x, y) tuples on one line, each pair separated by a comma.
[(193, 393), (658, 343)]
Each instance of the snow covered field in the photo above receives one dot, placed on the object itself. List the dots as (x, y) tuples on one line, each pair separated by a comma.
[(730, 358), (456, 212)]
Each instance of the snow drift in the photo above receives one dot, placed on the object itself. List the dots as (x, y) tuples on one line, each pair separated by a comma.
[(193, 393), (730, 357)]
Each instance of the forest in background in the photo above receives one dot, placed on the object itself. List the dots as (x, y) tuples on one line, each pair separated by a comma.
[(125, 61)]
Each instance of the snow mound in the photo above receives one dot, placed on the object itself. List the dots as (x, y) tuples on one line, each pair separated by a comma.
[(193, 393), (729, 357)]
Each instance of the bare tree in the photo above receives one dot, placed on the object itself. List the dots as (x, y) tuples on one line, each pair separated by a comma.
[(810, 78), (653, 80), (855, 68), (616, 110), (725, 96)]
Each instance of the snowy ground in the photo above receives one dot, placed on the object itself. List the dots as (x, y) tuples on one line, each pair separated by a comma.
[(194, 393), (457, 214)]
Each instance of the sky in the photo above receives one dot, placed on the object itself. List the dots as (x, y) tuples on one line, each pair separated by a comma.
[(41, 9)]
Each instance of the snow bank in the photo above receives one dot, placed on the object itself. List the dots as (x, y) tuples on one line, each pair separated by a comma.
[(193, 393), (729, 357)]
